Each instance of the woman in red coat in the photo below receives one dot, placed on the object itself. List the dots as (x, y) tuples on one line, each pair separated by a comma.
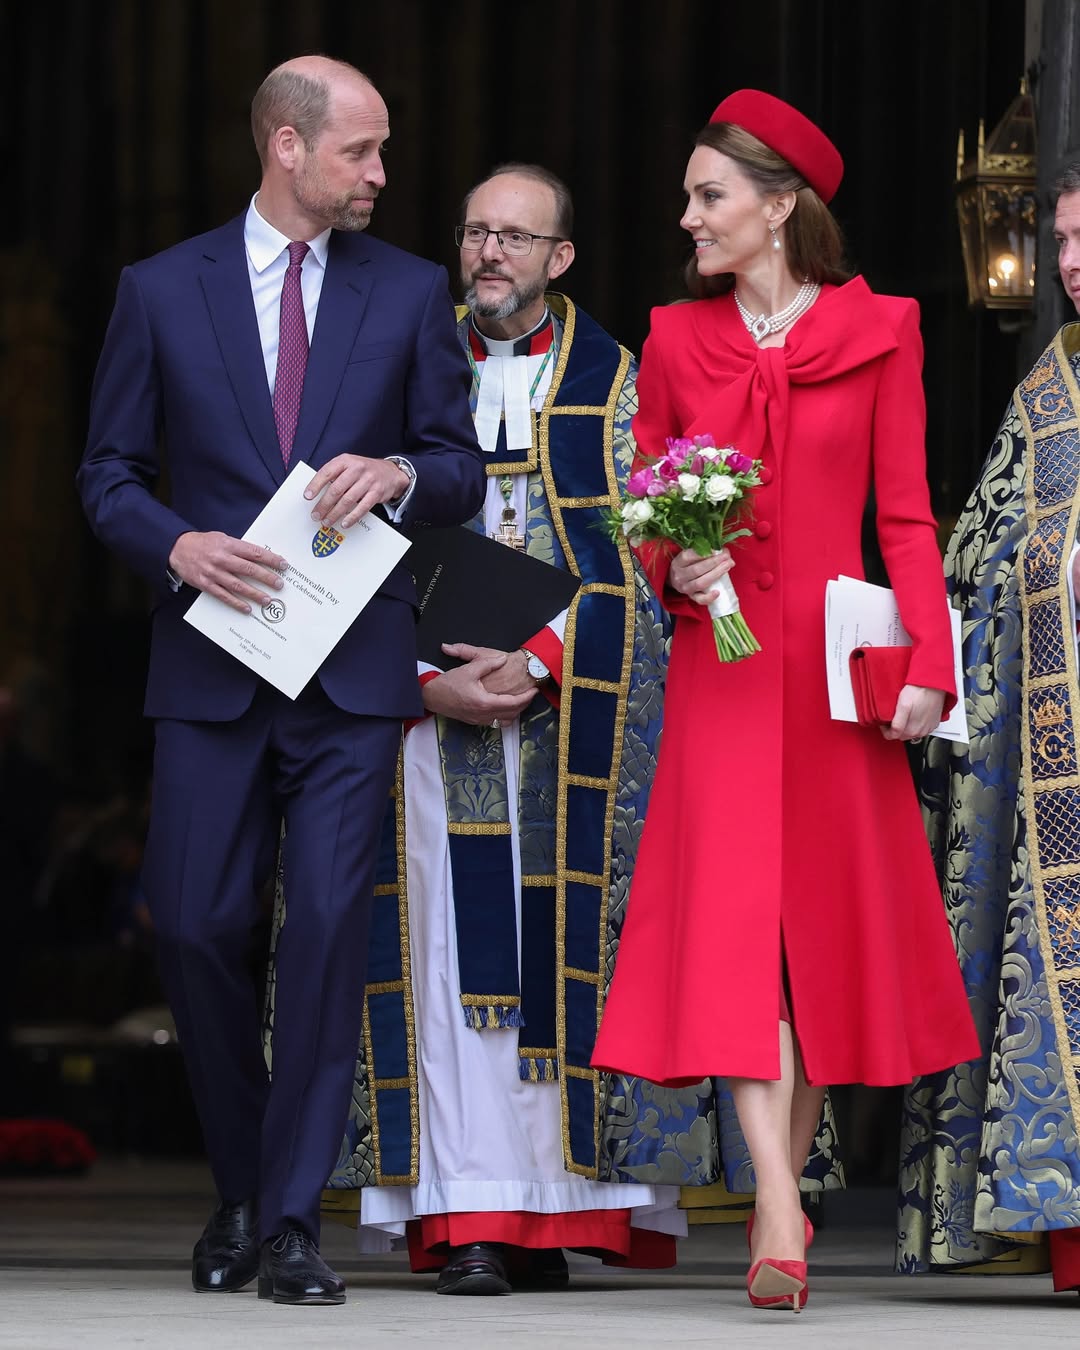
[(785, 928)]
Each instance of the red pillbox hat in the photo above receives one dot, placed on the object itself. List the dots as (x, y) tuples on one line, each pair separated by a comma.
[(784, 129)]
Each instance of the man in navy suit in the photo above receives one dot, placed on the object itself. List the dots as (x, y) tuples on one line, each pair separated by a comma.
[(285, 335)]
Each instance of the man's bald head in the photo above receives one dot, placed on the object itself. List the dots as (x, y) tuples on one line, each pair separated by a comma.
[(297, 94)]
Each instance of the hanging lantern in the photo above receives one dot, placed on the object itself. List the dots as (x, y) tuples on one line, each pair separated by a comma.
[(995, 201)]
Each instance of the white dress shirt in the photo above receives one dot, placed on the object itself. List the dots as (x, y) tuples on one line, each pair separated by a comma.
[(267, 252), (267, 259)]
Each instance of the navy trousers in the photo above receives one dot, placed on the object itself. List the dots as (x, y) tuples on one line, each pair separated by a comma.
[(220, 791)]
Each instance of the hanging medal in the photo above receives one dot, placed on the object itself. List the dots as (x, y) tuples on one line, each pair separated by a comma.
[(508, 532)]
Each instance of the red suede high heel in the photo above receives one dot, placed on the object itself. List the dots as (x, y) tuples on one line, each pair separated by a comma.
[(772, 1283), (808, 1229), (778, 1284)]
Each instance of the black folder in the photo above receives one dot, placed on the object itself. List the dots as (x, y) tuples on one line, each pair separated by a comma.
[(473, 589)]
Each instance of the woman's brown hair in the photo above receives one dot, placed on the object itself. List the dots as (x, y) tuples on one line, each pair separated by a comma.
[(813, 243)]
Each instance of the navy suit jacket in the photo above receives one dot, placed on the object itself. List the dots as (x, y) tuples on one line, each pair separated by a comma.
[(182, 379)]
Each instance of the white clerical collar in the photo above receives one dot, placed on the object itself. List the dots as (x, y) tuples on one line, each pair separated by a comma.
[(265, 244), (519, 346), (510, 377)]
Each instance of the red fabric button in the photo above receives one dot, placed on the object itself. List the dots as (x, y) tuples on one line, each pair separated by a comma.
[(763, 529), (765, 474), (765, 581)]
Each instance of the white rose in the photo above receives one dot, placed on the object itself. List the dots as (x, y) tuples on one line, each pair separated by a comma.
[(725, 451), (688, 485), (711, 453), (637, 512), (719, 487)]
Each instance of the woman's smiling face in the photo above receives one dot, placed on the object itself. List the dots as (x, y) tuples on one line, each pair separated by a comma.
[(725, 213)]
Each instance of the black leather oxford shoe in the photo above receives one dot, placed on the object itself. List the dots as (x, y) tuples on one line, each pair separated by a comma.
[(544, 1268), (292, 1271), (475, 1269), (226, 1257)]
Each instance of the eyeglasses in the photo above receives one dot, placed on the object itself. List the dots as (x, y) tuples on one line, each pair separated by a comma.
[(514, 242)]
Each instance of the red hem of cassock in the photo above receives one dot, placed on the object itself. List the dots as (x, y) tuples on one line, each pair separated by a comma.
[(604, 1233), (1065, 1258)]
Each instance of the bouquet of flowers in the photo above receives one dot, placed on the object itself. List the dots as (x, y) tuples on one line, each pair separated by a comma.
[(695, 495), (38, 1147)]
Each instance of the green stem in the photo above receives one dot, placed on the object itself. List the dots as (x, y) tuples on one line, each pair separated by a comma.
[(734, 640)]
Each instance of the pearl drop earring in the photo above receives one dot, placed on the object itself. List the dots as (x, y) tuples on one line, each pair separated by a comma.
[(775, 239)]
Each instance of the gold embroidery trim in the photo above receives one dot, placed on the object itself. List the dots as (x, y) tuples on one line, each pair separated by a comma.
[(574, 1072), (620, 689), (406, 974), (478, 827), (404, 987), (1034, 514), (586, 780), (585, 976), (386, 987)]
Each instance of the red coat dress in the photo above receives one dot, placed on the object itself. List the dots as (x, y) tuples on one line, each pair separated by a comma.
[(766, 816)]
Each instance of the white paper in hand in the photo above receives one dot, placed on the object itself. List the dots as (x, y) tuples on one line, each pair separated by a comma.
[(858, 614), (332, 575)]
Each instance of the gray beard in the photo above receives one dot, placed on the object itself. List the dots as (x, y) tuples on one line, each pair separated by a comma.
[(519, 298)]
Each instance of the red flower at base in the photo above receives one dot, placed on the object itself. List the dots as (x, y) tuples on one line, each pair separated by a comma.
[(43, 1145)]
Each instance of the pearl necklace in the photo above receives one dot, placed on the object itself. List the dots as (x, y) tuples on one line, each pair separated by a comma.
[(760, 327)]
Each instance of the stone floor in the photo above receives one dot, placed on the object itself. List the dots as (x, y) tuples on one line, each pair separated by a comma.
[(101, 1262)]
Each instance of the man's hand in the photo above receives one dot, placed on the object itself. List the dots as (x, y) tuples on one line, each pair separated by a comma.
[(350, 485), (918, 712), (511, 677), (226, 567), (461, 693)]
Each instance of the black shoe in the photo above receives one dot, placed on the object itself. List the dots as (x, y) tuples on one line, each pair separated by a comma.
[(292, 1271), (544, 1268), (475, 1269), (226, 1257)]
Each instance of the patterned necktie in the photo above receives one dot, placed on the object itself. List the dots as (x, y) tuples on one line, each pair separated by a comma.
[(292, 352)]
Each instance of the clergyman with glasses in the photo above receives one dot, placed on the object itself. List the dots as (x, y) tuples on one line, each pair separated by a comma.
[(524, 793)]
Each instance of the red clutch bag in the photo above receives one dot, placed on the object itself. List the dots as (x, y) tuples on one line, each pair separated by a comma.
[(877, 676)]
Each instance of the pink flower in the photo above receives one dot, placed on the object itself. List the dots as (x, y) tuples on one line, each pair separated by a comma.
[(640, 483), (657, 488), (705, 442), (739, 463), (668, 468), (679, 446)]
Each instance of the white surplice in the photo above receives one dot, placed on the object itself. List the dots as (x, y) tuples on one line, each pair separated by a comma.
[(488, 1141)]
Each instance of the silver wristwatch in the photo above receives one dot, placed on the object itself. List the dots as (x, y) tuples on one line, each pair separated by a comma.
[(407, 469), (535, 666)]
